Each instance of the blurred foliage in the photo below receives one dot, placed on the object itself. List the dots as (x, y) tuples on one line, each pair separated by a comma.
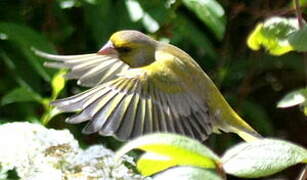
[(273, 34), (278, 36), (214, 33), (294, 98), (299, 39)]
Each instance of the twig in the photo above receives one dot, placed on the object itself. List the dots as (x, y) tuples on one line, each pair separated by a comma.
[(303, 175), (298, 13), (301, 24)]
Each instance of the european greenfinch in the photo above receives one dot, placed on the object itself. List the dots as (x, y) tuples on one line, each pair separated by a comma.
[(139, 86)]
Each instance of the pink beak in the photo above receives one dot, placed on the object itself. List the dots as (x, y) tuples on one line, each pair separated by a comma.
[(107, 49)]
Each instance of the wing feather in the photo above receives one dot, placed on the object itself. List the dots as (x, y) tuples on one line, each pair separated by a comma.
[(147, 123), (129, 102), (96, 110), (138, 125), (126, 127), (160, 113), (153, 109), (188, 127), (73, 103), (174, 113), (76, 72), (90, 69), (195, 126), (113, 123), (168, 115)]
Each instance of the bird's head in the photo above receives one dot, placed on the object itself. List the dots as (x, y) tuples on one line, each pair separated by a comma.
[(132, 47)]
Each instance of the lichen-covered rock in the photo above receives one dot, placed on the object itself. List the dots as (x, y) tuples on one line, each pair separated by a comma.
[(37, 153)]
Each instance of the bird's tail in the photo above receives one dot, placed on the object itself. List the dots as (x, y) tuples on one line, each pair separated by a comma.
[(248, 136), (244, 130), (237, 125)]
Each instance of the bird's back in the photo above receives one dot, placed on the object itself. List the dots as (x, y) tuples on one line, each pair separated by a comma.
[(194, 79)]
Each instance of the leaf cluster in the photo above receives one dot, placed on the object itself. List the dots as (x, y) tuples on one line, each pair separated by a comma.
[(168, 155)]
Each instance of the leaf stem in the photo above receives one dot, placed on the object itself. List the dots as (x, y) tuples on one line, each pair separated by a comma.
[(301, 24), (298, 13)]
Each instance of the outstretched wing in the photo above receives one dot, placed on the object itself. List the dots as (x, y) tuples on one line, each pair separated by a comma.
[(140, 101), (89, 69)]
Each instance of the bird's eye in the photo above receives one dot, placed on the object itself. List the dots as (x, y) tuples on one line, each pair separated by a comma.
[(123, 49)]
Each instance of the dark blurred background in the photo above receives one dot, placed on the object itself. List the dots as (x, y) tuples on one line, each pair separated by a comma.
[(252, 81)]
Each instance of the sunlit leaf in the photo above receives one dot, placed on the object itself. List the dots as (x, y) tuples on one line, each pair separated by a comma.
[(93, 1), (137, 13), (273, 35), (293, 98), (3, 36), (150, 24), (255, 39), (211, 13), (66, 4), (179, 150), (147, 163), (25, 38), (135, 10), (21, 94), (262, 158), (188, 173), (58, 83), (298, 39)]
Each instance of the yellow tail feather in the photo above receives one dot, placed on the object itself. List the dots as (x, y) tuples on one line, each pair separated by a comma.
[(248, 137)]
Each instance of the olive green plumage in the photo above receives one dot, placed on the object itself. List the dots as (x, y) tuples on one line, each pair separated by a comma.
[(139, 86)]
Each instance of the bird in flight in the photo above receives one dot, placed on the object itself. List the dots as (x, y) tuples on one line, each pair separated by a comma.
[(138, 85)]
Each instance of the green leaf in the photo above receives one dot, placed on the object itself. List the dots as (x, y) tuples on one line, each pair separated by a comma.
[(298, 39), (58, 83), (293, 98), (188, 173), (273, 35), (149, 160), (169, 150), (150, 23), (135, 10), (25, 38), (262, 158), (137, 13), (21, 94), (211, 13)]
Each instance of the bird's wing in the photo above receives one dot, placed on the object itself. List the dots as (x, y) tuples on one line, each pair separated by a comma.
[(89, 69), (140, 101)]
